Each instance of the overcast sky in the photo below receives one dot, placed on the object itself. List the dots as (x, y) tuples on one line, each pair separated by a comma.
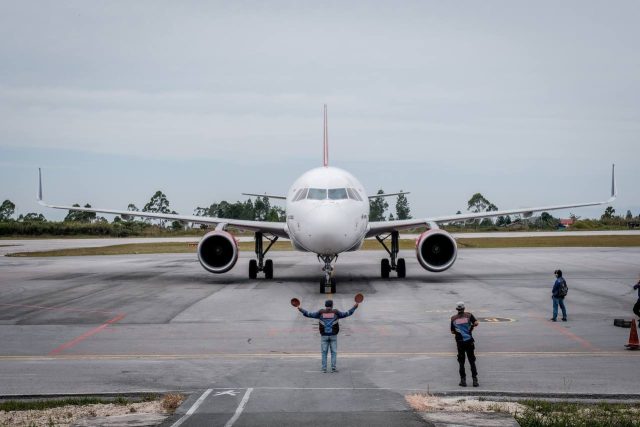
[(528, 103)]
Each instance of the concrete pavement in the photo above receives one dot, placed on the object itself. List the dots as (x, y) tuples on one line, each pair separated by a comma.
[(160, 322)]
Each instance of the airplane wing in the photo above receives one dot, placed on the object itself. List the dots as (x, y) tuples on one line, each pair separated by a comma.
[(276, 228), (375, 196), (380, 227), (268, 196)]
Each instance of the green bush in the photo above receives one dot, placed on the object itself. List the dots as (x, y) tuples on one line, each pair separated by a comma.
[(97, 229)]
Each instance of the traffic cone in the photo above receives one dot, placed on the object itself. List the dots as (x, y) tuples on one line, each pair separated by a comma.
[(633, 337)]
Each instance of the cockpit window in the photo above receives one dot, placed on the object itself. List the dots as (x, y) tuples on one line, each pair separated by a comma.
[(337, 193), (353, 194), (301, 194), (317, 194)]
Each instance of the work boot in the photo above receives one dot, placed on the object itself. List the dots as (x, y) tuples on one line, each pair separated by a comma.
[(334, 369), (475, 382), (463, 382), (564, 319)]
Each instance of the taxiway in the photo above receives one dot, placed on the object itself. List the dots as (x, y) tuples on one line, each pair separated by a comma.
[(117, 324)]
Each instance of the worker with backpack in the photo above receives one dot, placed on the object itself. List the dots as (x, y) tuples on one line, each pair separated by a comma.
[(329, 327), (558, 293)]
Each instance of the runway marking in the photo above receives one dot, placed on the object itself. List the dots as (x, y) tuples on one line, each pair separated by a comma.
[(449, 311), (240, 408), (226, 393), (313, 327), (495, 319), (314, 355), (193, 408), (41, 307), (564, 331), (86, 335)]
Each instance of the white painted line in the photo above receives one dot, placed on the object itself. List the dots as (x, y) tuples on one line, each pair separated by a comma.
[(193, 408), (240, 408)]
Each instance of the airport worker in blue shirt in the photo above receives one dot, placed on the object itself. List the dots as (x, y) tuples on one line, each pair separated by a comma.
[(636, 307), (329, 328), (462, 325), (557, 295)]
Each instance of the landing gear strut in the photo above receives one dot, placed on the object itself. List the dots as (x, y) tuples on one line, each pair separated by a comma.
[(261, 264), (386, 265), (328, 282)]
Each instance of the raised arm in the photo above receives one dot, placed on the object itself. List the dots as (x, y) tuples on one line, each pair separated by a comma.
[(305, 313), (342, 314)]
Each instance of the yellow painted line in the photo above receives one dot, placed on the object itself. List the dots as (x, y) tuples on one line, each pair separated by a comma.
[(621, 353)]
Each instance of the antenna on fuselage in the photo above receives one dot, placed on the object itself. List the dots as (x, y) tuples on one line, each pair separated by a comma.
[(325, 138)]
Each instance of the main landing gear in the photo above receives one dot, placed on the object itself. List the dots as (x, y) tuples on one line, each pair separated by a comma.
[(386, 265), (328, 282), (261, 264)]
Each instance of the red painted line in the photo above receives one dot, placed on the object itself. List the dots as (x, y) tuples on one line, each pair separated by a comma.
[(86, 335), (564, 331), (77, 310)]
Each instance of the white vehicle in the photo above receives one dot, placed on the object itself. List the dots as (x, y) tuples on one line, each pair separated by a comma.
[(327, 213)]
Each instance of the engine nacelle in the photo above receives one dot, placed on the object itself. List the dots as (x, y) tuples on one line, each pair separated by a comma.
[(436, 250), (218, 251)]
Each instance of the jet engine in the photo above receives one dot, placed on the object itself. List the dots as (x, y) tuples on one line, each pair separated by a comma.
[(218, 251), (436, 250)]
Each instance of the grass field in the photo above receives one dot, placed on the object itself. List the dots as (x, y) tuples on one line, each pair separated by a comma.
[(406, 244), (566, 414)]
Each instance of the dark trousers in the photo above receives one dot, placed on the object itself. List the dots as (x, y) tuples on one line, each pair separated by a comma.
[(636, 308), (467, 348)]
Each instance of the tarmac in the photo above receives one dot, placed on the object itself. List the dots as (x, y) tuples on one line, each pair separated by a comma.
[(31, 245), (157, 323)]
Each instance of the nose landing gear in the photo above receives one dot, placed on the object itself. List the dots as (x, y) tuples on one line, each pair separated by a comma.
[(261, 264), (386, 265), (328, 282)]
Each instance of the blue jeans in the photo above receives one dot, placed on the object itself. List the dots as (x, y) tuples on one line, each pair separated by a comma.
[(327, 341), (560, 301)]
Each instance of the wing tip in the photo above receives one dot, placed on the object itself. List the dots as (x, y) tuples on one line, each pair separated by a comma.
[(39, 185), (614, 191)]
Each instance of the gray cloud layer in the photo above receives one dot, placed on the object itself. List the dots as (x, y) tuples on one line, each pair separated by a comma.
[(463, 94)]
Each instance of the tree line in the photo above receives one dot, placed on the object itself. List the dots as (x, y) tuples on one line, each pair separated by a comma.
[(260, 209)]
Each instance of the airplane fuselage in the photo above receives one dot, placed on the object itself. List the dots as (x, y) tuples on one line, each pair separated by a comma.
[(327, 211)]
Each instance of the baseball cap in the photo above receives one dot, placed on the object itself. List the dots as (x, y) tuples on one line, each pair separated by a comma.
[(460, 305), (328, 303)]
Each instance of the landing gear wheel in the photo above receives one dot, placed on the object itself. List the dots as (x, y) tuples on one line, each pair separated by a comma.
[(260, 264), (268, 269), (333, 286), (253, 269), (385, 268), (401, 268)]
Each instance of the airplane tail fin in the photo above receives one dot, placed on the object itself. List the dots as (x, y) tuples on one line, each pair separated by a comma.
[(325, 138)]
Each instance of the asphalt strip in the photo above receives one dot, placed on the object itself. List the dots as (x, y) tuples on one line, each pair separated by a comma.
[(193, 408), (240, 408)]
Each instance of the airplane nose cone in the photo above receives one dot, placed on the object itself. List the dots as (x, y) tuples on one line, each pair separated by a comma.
[(327, 232)]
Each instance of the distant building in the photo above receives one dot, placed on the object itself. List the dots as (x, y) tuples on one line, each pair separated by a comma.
[(566, 223)]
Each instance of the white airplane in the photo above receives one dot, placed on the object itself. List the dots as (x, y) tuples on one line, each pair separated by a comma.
[(327, 213)]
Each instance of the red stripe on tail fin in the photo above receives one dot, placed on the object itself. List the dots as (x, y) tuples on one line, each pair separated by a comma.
[(325, 138)]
